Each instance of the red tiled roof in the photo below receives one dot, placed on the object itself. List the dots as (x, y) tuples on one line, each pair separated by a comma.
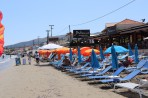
[(128, 21)]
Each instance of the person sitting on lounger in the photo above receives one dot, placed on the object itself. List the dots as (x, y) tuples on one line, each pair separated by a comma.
[(66, 62), (125, 63), (88, 59)]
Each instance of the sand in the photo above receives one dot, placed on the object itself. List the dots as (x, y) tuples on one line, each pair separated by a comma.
[(30, 81)]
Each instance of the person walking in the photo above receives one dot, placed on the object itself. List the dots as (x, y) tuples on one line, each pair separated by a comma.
[(36, 55), (29, 59), (3, 56)]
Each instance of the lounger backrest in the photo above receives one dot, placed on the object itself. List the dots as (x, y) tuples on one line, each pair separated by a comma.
[(118, 71), (88, 68), (141, 63), (59, 62), (145, 65), (132, 75), (50, 56), (85, 65), (105, 70)]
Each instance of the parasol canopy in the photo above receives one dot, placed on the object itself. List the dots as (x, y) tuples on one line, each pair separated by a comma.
[(50, 46), (118, 49)]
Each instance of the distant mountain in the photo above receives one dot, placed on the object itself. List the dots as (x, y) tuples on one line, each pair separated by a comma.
[(31, 42), (35, 41)]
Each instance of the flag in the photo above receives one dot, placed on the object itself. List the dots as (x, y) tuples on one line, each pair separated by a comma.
[(1, 35)]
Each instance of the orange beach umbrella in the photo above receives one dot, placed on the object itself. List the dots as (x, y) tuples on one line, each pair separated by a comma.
[(63, 50), (84, 48), (88, 52)]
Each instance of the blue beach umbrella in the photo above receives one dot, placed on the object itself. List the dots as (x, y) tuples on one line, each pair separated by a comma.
[(114, 58), (130, 50), (118, 49), (101, 53), (94, 60), (79, 55), (136, 54), (70, 55)]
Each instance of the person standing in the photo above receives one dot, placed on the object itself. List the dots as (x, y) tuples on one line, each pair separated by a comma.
[(36, 55), (29, 59), (3, 56), (66, 63)]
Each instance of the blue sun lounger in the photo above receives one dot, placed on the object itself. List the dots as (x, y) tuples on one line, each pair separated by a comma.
[(144, 69), (87, 69), (126, 78), (139, 65), (98, 73), (116, 73), (79, 69)]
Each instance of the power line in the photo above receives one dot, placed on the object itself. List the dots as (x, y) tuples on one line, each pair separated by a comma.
[(63, 29), (105, 14)]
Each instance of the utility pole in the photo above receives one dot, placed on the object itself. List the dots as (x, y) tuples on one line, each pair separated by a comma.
[(70, 33), (51, 29), (47, 36)]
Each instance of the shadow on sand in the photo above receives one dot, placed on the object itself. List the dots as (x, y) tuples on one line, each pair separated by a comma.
[(129, 94), (42, 65)]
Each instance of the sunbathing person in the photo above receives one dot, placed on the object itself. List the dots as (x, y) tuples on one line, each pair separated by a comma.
[(125, 63), (66, 62)]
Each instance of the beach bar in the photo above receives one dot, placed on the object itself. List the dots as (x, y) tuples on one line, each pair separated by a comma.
[(124, 32)]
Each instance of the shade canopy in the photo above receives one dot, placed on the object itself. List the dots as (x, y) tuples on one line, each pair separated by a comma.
[(101, 53), (79, 55), (130, 50), (118, 49), (94, 60), (89, 51), (136, 59), (114, 58), (50, 46), (63, 50), (70, 55)]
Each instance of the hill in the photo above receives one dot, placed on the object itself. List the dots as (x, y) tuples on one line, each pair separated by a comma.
[(31, 42), (40, 40)]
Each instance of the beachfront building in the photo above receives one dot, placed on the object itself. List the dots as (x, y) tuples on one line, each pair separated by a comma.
[(119, 33), (124, 32), (90, 40)]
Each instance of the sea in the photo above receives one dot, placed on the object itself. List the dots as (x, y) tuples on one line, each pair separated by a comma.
[(7, 62)]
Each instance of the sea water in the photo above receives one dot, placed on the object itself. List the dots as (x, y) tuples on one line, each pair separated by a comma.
[(6, 62)]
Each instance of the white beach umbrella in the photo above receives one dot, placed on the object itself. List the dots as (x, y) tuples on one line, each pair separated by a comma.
[(50, 46)]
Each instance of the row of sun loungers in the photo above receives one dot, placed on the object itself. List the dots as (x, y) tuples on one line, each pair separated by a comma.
[(103, 75)]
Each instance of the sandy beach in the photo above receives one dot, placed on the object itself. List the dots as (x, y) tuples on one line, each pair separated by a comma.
[(43, 81)]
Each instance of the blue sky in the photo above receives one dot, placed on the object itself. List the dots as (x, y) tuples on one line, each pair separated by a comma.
[(25, 20)]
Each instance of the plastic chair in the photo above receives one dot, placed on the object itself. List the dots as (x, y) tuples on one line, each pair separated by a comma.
[(133, 87)]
